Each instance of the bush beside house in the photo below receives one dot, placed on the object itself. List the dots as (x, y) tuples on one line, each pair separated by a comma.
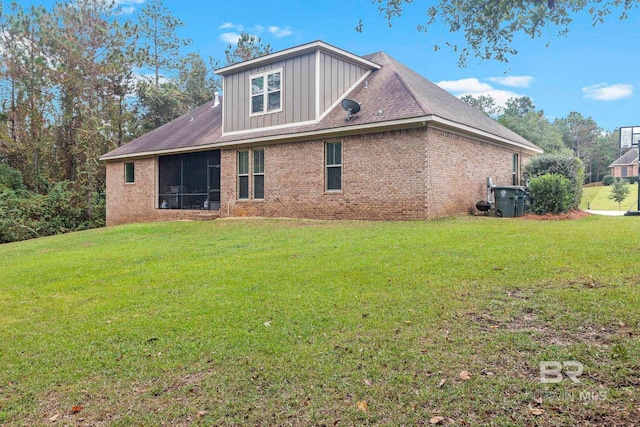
[(551, 194)]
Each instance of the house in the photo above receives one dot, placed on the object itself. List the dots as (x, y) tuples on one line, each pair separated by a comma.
[(279, 143), (625, 166)]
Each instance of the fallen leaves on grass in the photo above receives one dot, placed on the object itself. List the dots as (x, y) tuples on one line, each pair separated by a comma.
[(535, 411), (362, 406), (442, 382), (436, 420), (201, 414), (54, 418), (464, 376), (76, 409)]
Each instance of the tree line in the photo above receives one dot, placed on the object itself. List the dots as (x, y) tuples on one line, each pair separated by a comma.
[(574, 135), (77, 81)]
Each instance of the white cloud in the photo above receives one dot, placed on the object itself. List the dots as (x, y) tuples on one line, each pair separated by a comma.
[(513, 81), (231, 26), (473, 86), (230, 37), (470, 85), (606, 92), (121, 2), (280, 32)]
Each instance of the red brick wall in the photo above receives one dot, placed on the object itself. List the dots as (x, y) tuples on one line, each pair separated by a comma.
[(128, 203), (458, 168), (408, 174), (399, 175)]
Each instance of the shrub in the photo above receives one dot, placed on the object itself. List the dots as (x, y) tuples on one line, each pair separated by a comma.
[(607, 180), (25, 214), (551, 193), (10, 178), (568, 166)]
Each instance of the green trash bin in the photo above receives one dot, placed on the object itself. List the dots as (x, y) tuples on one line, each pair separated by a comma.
[(509, 201), (521, 195)]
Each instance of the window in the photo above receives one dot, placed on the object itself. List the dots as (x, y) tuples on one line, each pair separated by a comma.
[(623, 171), (258, 174), (266, 92), (333, 159), (129, 173), (243, 174), (516, 169)]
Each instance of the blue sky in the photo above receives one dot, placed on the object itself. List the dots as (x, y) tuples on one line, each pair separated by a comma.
[(593, 70)]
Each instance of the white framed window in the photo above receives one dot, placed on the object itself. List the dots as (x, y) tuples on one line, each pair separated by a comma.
[(333, 166), (258, 174), (243, 175), (251, 174), (266, 92)]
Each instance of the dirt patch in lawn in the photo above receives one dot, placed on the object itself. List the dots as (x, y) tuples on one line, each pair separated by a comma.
[(575, 214)]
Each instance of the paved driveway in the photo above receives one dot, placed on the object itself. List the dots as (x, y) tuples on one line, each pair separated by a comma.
[(608, 213)]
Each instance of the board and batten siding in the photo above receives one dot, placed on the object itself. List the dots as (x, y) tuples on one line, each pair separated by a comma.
[(298, 95), (336, 76)]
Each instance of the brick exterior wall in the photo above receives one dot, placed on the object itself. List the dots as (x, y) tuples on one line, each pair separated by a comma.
[(396, 175), (632, 171), (135, 202)]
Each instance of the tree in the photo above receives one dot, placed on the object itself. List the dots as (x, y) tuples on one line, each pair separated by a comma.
[(581, 135), (484, 103), (520, 116), (196, 80), (159, 105), (605, 151), (26, 92), (248, 47), (619, 191), (490, 26), (160, 43)]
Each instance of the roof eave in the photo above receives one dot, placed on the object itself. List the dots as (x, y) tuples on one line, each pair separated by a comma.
[(414, 122)]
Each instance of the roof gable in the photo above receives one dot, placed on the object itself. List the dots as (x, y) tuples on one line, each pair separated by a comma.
[(628, 158), (295, 51), (392, 96)]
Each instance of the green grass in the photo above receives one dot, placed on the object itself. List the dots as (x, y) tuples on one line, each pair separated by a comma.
[(597, 198), (276, 322)]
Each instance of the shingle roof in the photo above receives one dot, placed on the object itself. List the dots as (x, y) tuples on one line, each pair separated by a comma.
[(390, 94), (197, 127), (628, 158)]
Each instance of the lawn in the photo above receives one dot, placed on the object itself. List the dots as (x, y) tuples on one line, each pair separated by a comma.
[(291, 322), (597, 198)]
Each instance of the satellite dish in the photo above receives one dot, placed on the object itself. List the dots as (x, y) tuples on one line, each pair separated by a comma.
[(351, 107)]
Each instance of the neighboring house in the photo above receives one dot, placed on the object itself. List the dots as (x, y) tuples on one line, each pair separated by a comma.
[(626, 166), (280, 144)]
